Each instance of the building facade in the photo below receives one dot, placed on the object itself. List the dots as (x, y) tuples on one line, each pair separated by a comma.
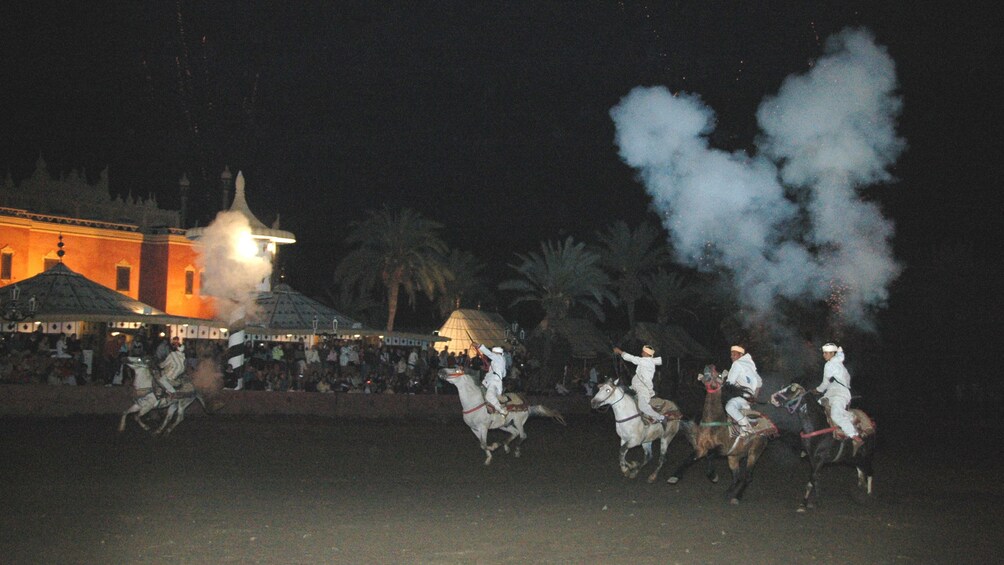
[(129, 245)]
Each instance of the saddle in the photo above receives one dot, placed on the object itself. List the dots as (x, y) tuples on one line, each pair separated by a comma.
[(762, 425), (862, 423), (512, 402), (664, 407)]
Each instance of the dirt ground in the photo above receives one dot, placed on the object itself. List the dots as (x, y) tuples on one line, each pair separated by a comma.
[(296, 490)]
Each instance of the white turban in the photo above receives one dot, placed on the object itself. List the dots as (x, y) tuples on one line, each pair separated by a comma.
[(830, 348), (648, 350), (738, 350), (497, 350)]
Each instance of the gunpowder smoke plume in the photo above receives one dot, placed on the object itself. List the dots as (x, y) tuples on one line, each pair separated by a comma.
[(234, 268), (788, 222)]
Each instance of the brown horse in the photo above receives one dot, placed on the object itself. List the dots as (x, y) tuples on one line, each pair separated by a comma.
[(712, 436)]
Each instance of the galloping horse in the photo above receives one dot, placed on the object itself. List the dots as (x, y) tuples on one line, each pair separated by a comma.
[(147, 397), (634, 430), (480, 420), (820, 444), (713, 436)]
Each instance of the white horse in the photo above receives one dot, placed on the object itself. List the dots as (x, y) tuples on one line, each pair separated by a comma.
[(147, 397), (634, 430), (476, 415)]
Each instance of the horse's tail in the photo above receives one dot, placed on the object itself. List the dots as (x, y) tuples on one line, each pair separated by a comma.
[(541, 410)]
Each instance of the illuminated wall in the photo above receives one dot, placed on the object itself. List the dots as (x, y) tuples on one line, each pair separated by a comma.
[(105, 252)]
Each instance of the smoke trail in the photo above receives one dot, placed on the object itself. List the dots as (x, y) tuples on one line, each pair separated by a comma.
[(233, 266), (787, 222)]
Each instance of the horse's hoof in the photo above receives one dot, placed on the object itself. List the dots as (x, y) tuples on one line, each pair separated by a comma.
[(734, 501), (516, 455), (801, 510), (673, 480), (650, 479)]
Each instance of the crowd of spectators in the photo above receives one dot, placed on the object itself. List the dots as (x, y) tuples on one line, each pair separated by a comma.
[(332, 365)]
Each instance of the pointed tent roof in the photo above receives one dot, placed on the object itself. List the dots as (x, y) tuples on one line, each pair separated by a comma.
[(62, 295), (465, 327)]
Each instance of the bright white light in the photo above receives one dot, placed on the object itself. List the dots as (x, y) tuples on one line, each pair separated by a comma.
[(246, 246)]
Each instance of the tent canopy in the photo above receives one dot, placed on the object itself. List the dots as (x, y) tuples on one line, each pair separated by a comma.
[(466, 327), (62, 295)]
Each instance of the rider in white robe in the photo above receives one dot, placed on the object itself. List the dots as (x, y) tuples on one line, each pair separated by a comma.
[(836, 389), (493, 378), (172, 367), (642, 381), (742, 375)]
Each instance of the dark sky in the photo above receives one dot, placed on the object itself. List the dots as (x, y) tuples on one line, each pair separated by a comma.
[(489, 117)]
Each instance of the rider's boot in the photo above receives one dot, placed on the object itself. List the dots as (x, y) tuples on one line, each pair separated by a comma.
[(858, 442)]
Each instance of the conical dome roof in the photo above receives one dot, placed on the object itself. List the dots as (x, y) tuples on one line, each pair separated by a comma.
[(61, 295)]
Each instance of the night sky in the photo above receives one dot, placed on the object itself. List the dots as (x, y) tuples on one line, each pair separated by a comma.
[(492, 118)]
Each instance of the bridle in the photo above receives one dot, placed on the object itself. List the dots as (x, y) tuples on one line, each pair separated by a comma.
[(456, 375), (623, 394)]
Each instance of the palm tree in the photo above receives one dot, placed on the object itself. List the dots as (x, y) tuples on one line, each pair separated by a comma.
[(467, 283), (396, 250), (670, 291), (630, 255), (561, 277)]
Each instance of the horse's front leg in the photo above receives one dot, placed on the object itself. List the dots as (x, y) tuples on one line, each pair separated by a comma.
[(132, 409), (178, 417), (171, 410), (737, 465), (690, 460), (812, 489), (628, 468), (481, 432)]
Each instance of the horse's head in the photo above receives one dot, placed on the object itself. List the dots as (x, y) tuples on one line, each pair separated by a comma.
[(142, 375), (711, 378), (790, 396), (451, 374), (605, 394), (137, 363)]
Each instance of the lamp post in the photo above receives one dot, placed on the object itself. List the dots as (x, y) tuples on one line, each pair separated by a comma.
[(14, 310)]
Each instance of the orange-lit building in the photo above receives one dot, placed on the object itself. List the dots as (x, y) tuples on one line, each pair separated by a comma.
[(129, 245)]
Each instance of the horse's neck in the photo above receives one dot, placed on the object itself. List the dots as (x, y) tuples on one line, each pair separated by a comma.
[(713, 409), (470, 393), (812, 414), (142, 378), (625, 407)]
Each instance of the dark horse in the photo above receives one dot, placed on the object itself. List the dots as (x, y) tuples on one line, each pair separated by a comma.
[(711, 436), (819, 443)]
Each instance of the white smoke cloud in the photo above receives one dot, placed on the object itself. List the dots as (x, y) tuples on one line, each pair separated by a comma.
[(787, 222), (233, 268)]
